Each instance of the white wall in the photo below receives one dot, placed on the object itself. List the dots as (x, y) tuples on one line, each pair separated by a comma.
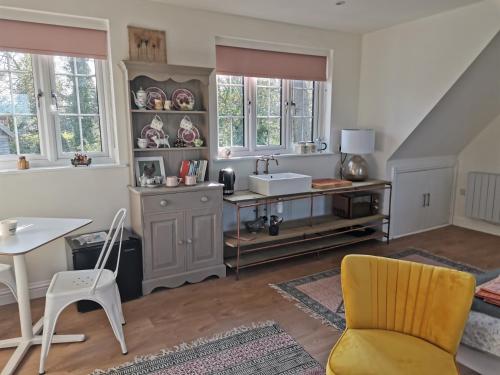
[(481, 155), (406, 70), (190, 41)]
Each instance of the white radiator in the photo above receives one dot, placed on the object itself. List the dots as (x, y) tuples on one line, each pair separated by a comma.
[(482, 199)]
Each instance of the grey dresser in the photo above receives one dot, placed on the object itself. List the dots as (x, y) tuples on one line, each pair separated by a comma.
[(181, 231)]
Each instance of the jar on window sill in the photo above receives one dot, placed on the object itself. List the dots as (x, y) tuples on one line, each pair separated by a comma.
[(22, 163)]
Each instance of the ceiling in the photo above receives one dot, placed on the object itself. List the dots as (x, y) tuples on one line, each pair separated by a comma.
[(358, 16)]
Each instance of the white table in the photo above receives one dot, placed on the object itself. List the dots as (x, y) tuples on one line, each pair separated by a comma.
[(32, 233)]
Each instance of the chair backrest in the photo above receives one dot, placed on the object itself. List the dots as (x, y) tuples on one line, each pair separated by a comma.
[(425, 301), (115, 230)]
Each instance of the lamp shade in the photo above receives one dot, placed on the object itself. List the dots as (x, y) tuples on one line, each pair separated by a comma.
[(357, 141)]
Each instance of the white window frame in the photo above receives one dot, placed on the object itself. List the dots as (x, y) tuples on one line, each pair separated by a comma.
[(250, 148), (49, 131)]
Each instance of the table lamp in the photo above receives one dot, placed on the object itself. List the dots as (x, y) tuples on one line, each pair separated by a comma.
[(355, 142)]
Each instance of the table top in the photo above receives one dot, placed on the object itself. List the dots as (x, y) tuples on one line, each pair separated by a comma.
[(247, 195), (33, 232)]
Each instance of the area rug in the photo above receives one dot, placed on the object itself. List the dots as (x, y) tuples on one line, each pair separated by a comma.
[(320, 295), (259, 349)]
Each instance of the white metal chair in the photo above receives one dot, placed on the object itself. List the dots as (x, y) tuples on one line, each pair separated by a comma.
[(7, 278), (97, 285)]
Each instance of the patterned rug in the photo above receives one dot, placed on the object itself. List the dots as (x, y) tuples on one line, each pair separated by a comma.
[(320, 295), (262, 349)]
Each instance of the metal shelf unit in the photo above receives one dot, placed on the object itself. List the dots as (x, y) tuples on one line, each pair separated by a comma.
[(301, 237)]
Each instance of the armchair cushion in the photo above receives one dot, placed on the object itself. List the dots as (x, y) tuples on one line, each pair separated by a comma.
[(376, 351)]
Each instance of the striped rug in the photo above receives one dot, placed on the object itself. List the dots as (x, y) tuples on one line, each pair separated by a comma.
[(259, 349)]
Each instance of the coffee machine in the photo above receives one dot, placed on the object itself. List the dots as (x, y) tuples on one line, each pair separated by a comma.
[(228, 178)]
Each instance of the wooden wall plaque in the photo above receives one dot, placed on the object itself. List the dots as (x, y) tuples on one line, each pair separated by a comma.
[(147, 45)]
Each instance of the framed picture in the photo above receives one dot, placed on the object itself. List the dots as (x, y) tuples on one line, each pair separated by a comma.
[(151, 166), (147, 45)]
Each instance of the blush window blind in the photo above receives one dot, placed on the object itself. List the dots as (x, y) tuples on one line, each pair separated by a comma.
[(269, 64), (45, 39)]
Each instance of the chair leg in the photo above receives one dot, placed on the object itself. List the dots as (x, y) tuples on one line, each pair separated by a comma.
[(49, 323), (119, 304), (115, 320)]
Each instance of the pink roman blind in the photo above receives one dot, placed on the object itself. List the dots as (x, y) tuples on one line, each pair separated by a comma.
[(45, 39), (270, 64)]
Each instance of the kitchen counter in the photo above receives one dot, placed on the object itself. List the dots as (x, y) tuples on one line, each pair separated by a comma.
[(247, 195)]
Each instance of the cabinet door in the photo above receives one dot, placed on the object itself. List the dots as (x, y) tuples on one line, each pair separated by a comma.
[(164, 247), (204, 237), (409, 212), (439, 189)]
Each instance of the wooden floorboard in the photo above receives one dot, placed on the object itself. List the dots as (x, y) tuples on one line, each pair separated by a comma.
[(169, 317)]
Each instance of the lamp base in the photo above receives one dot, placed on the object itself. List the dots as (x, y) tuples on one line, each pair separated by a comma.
[(355, 169)]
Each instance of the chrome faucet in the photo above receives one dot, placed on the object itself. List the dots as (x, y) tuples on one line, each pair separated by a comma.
[(265, 159)]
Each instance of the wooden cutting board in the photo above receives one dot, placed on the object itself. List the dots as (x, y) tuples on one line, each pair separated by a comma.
[(328, 183)]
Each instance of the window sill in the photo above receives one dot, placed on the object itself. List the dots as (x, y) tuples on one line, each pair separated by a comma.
[(278, 156), (60, 168)]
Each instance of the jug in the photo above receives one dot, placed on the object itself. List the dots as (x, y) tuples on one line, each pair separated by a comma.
[(140, 98)]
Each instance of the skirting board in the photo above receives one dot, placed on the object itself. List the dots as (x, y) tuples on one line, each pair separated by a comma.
[(475, 224), (37, 290)]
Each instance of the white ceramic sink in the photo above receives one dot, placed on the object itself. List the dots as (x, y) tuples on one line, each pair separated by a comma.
[(279, 183)]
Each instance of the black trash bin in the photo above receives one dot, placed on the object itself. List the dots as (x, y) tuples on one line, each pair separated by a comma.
[(129, 277)]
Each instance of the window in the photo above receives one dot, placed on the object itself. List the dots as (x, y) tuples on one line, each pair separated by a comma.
[(259, 114), (50, 108)]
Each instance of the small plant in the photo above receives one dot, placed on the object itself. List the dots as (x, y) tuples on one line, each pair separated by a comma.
[(81, 160)]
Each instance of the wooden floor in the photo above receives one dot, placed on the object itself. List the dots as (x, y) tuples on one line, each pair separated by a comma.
[(169, 317)]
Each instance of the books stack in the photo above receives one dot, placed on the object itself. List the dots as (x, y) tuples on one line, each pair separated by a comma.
[(196, 168), (490, 291)]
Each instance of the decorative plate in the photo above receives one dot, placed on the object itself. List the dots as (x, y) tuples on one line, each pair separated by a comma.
[(150, 133), (183, 100), (154, 93), (188, 135)]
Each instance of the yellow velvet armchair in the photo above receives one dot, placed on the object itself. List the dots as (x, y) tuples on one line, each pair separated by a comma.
[(402, 317)]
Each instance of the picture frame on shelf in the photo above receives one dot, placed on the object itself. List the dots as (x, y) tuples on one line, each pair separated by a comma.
[(150, 166)]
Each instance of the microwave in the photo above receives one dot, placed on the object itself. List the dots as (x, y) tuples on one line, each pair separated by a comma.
[(355, 205)]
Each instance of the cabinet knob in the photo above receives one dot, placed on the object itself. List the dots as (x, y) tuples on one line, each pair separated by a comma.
[(163, 203), (189, 241), (204, 199), (180, 242)]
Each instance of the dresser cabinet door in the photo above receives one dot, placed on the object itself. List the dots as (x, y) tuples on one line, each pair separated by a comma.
[(204, 237), (164, 245)]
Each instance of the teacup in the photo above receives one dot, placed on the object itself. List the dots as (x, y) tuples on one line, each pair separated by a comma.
[(168, 105), (172, 181), (190, 180), (198, 142), (142, 142), (8, 227)]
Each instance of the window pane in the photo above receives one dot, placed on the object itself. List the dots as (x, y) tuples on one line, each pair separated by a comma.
[(23, 92), (87, 89), (19, 131), (78, 104), (70, 133), (230, 111), (27, 128), (85, 66), (302, 110), (66, 94), (268, 111), (91, 134), (64, 65)]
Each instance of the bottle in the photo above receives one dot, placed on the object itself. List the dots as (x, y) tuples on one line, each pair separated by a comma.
[(22, 163)]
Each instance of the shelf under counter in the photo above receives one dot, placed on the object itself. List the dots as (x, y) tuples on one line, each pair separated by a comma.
[(295, 250), (299, 228)]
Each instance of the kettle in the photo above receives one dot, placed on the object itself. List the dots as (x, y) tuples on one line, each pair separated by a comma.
[(228, 178)]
